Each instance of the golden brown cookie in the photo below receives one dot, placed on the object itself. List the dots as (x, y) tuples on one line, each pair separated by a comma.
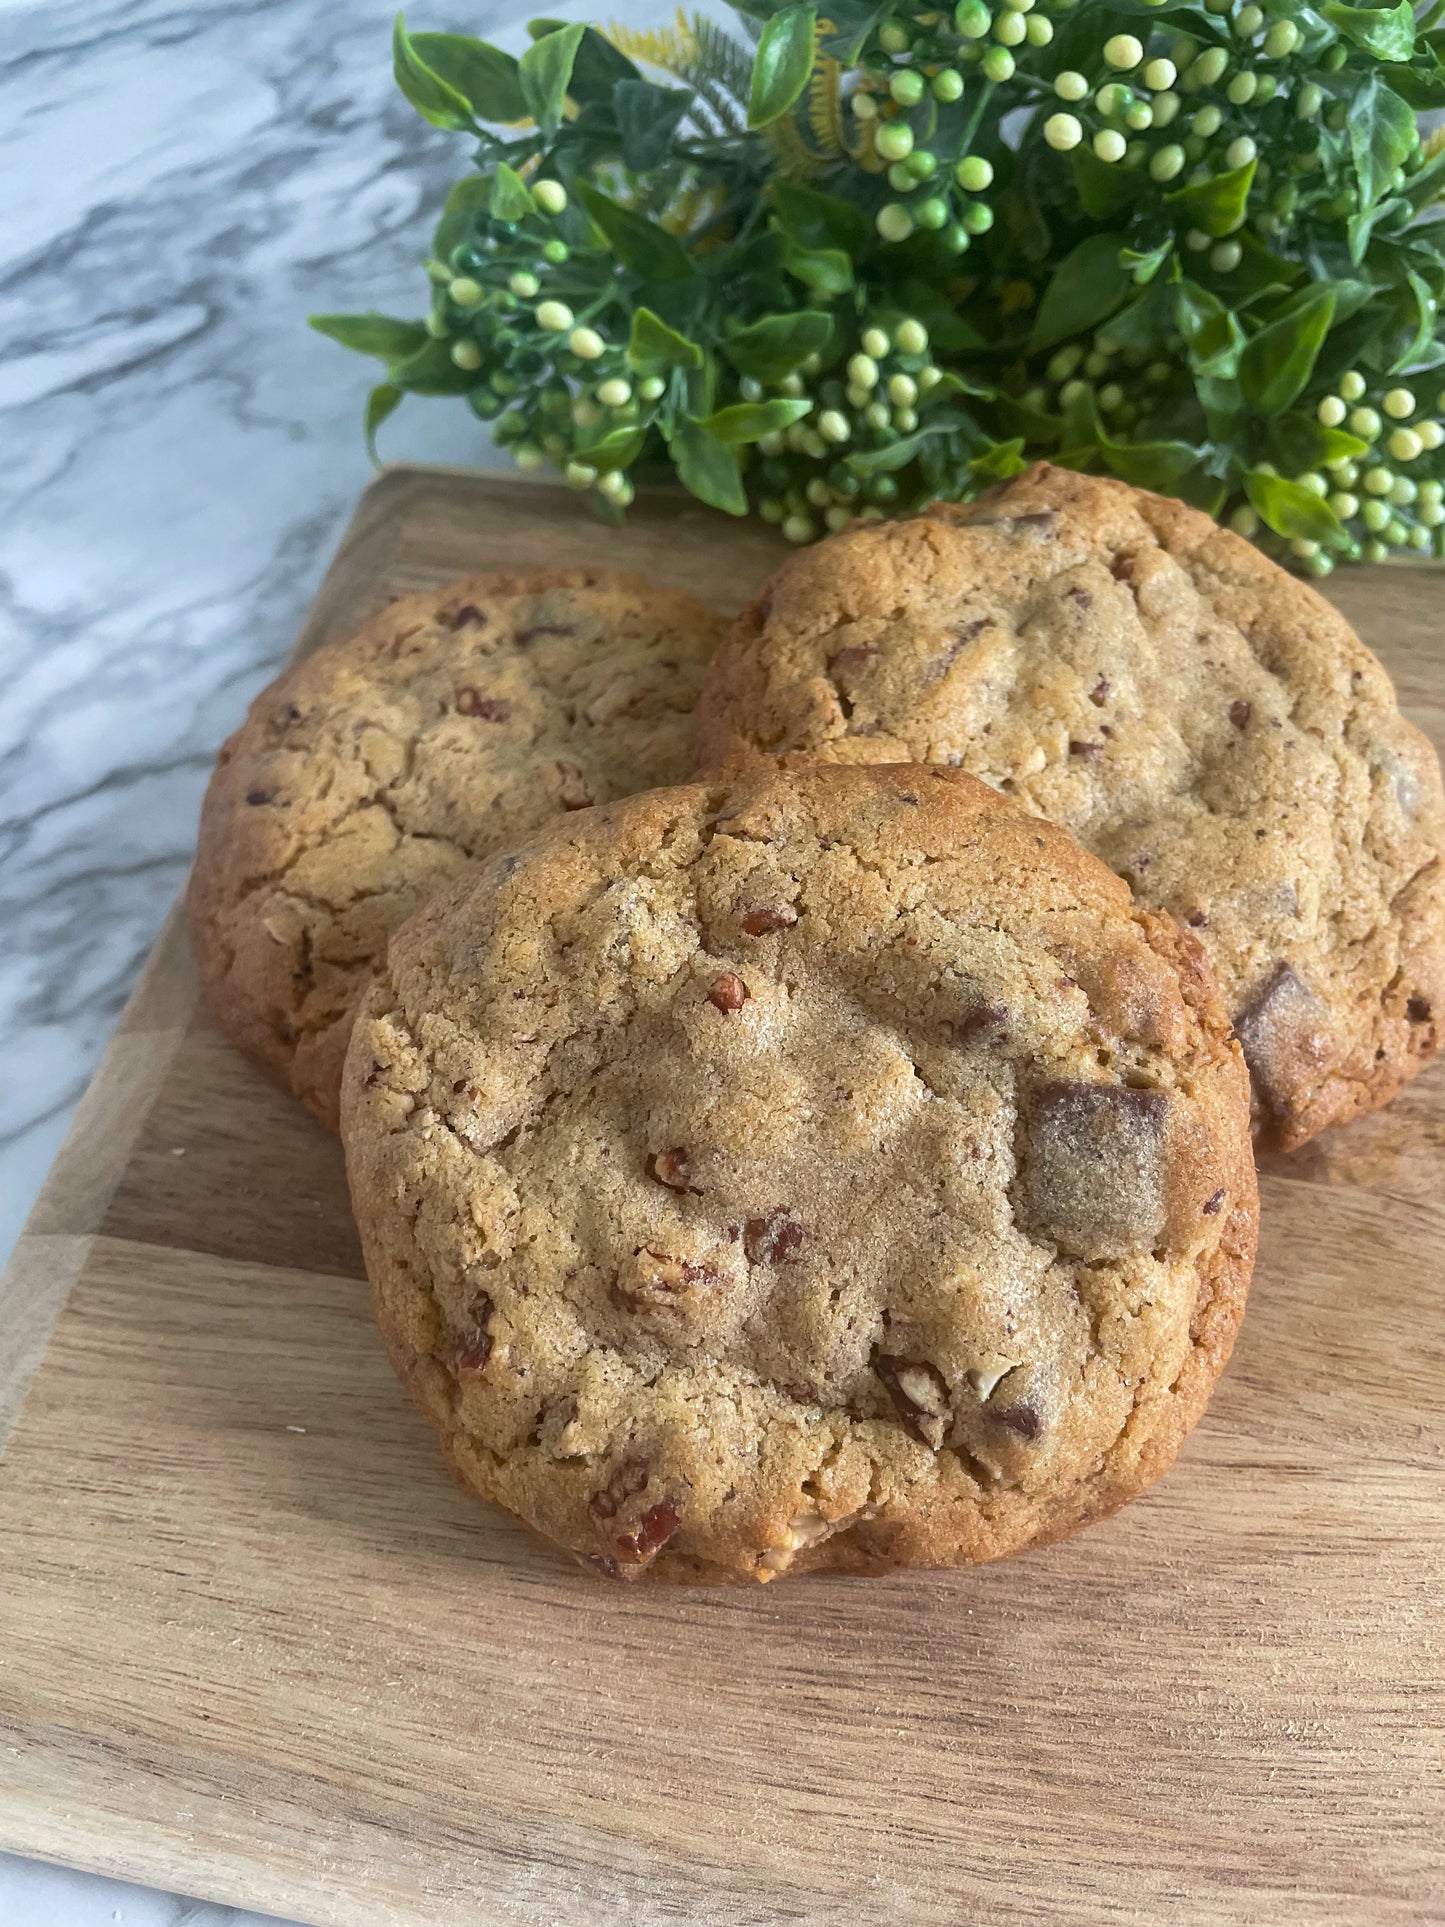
[(830, 1170), (1202, 721), (389, 761)]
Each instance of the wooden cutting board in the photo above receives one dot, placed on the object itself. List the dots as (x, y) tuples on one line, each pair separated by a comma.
[(254, 1645)]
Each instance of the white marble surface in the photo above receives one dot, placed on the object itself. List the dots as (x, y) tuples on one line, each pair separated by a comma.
[(184, 181)]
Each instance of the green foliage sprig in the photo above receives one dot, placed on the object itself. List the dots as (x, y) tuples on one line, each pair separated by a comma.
[(847, 265)]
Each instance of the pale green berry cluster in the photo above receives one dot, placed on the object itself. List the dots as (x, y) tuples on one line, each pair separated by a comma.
[(1380, 496), (808, 479)]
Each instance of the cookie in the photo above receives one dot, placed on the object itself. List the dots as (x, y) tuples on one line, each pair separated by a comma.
[(1202, 721), (830, 1170), (384, 765)]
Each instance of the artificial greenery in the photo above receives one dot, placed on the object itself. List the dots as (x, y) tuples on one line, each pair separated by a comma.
[(855, 258)]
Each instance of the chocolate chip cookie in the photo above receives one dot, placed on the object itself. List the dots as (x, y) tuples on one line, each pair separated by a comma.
[(388, 762), (832, 1169), (1202, 721)]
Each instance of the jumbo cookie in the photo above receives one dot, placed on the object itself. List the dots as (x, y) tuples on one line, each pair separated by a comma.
[(385, 764), (1204, 722), (832, 1169)]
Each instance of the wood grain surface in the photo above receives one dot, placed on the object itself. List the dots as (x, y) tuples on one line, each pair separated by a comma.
[(254, 1646)]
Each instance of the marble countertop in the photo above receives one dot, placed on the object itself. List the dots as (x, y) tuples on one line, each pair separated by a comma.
[(181, 454)]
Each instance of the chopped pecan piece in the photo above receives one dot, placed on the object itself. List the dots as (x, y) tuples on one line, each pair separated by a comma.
[(672, 1168), (775, 1239), (656, 1281), (759, 922), (919, 1395), (488, 709), (727, 992), (474, 1348), (629, 1478)]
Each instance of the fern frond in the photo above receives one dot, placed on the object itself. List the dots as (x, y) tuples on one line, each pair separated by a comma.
[(784, 141), (698, 53), (825, 107)]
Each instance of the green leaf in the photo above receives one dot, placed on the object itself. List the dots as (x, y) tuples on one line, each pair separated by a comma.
[(1292, 510), (817, 220), (1001, 462), (1216, 206), (749, 421), (1104, 191), (1382, 133), (638, 243), (1278, 361), (470, 197), (484, 76), (1156, 465), (511, 201), (618, 448), (431, 371), (373, 334), (782, 64), (381, 402), (1386, 32), (1426, 317), (772, 348), (881, 461), (1144, 266), (656, 349), (434, 98), (598, 66), (647, 118), (545, 70), (829, 270), (1298, 443), (708, 470), (1087, 286)]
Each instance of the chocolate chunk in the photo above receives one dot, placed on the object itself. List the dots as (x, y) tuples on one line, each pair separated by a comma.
[(1086, 749), (1239, 713), (1025, 1420), (759, 922), (475, 1347), (1282, 1033), (775, 1239), (966, 631), (856, 656), (1099, 694), (1081, 596), (919, 1395), (727, 992), (626, 1482), (1197, 919), (287, 715), (490, 709), (1093, 1167), (984, 1024), (1212, 1204), (256, 797), (1417, 1010), (469, 615)]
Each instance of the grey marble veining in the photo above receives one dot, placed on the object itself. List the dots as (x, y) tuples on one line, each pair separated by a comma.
[(182, 183)]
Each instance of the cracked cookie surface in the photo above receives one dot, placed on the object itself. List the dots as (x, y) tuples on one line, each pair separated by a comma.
[(832, 1169), (1209, 726), (391, 760)]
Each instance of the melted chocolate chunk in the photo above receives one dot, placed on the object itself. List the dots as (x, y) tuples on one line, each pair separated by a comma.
[(1211, 1205), (1239, 713), (257, 797), (1026, 1421), (468, 616), (1417, 1010), (654, 1529), (1093, 1177), (1099, 694), (1282, 1035)]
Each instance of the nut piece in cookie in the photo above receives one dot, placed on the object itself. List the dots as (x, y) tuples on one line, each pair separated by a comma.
[(385, 765), (1205, 723), (911, 1231)]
